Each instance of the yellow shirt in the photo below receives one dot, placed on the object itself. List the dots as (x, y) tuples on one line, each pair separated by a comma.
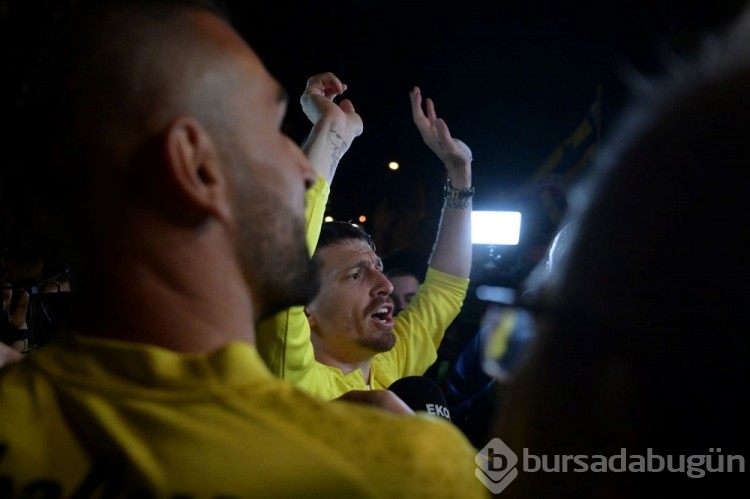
[(284, 340), (103, 418)]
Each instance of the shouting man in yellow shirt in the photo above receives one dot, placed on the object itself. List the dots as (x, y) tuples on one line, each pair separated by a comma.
[(347, 338)]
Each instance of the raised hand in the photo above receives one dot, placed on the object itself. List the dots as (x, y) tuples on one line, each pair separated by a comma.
[(453, 249), (335, 125), (317, 101), (452, 152)]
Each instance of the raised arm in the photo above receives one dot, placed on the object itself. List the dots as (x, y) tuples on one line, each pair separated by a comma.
[(283, 340), (452, 252)]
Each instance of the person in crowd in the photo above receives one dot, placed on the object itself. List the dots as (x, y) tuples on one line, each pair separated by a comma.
[(347, 338), (637, 378), (186, 224), (406, 271)]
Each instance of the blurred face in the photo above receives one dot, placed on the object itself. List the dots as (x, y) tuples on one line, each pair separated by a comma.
[(351, 317), (404, 289), (270, 176)]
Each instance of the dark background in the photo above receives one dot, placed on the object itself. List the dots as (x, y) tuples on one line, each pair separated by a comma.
[(512, 80)]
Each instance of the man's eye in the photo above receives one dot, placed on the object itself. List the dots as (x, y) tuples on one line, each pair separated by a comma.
[(356, 276)]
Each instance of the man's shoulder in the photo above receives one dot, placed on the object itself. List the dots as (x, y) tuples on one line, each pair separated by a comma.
[(439, 299), (420, 454), (440, 287)]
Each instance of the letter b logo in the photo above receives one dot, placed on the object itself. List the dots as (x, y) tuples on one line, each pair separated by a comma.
[(496, 465)]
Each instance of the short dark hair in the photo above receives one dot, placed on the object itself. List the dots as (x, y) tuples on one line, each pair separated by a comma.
[(405, 262), (338, 231)]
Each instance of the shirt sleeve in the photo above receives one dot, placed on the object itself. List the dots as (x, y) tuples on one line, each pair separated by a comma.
[(420, 327)]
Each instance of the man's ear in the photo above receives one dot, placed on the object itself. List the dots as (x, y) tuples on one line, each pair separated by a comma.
[(194, 168)]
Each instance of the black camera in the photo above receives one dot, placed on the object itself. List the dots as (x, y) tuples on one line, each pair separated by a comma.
[(47, 309)]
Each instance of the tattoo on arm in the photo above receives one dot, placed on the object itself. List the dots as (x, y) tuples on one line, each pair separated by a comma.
[(338, 148)]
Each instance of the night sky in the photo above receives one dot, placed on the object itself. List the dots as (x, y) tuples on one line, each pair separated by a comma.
[(511, 79)]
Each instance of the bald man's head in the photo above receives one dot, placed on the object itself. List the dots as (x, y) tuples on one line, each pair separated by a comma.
[(128, 71), (168, 137), (125, 84)]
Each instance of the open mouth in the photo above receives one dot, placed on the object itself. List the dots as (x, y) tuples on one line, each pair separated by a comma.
[(384, 315)]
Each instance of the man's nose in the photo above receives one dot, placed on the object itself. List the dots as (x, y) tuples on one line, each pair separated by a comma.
[(383, 285)]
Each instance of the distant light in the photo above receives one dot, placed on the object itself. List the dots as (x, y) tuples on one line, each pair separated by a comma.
[(362, 219), (495, 227), (393, 165), (328, 218)]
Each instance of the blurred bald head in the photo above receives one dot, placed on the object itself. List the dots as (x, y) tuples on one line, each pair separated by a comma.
[(169, 150), (131, 67)]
